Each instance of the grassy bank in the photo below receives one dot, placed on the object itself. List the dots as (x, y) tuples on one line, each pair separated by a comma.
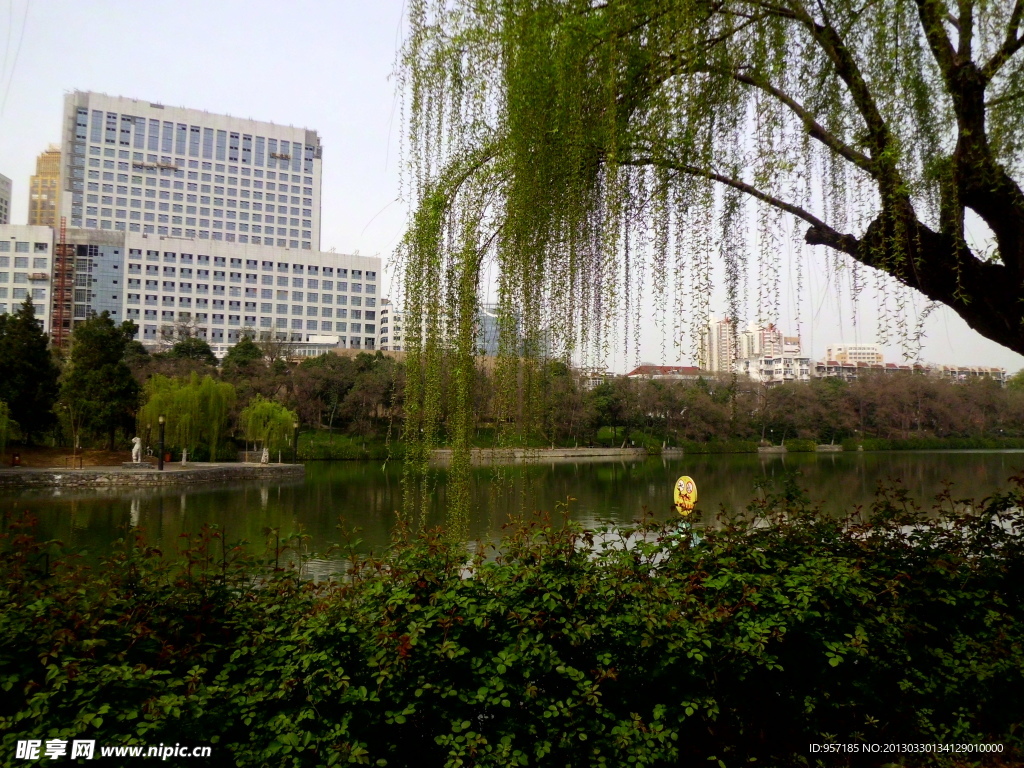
[(561, 651)]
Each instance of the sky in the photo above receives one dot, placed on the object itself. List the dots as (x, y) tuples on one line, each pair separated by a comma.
[(327, 66)]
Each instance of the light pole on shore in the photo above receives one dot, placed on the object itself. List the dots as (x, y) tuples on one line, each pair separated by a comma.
[(295, 443), (160, 456)]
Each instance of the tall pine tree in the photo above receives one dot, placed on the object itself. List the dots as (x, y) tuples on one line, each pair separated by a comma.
[(29, 381), (97, 382)]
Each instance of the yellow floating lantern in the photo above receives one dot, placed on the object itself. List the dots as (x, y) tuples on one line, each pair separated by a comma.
[(685, 495)]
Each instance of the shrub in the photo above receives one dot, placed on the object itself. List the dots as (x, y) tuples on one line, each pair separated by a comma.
[(569, 648)]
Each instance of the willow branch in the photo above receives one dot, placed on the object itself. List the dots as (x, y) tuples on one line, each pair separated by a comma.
[(1011, 43), (823, 233), (814, 129)]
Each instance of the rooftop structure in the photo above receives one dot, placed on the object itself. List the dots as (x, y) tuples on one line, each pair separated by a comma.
[(670, 372)]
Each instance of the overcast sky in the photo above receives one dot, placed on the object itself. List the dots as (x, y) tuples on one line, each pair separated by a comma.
[(322, 65)]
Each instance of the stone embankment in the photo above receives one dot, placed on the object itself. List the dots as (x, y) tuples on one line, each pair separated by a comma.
[(125, 477), (514, 455)]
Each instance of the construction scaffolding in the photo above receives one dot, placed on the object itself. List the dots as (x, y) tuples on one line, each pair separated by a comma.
[(63, 287)]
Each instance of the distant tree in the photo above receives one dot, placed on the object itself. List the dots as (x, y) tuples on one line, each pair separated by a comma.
[(196, 410), (1016, 381), (319, 386), (7, 425), (135, 353), (192, 348), (243, 354), (28, 373), (267, 423), (97, 384)]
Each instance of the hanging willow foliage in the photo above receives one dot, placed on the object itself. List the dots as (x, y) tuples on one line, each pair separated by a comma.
[(579, 145), (196, 410)]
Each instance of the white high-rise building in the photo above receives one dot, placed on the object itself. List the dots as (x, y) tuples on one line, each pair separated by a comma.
[(139, 167), (851, 354), (168, 287), (5, 200), (718, 346), (26, 264)]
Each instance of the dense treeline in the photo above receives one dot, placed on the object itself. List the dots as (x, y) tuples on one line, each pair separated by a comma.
[(107, 388)]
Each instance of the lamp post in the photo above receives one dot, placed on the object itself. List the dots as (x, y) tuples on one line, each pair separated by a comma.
[(295, 443), (160, 456)]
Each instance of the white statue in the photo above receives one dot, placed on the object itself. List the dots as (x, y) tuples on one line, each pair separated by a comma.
[(184, 456), (265, 457), (136, 449)]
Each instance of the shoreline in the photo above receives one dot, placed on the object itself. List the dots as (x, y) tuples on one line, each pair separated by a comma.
[(123, 477)]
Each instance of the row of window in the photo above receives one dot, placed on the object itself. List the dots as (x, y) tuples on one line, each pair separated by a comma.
[(250, 321), (229, 237), (20, 278), (267, 308), (20, 294), (168, 286), (21, 262), (135, 254), (123, 130), (231, 226), (21, 246), (147, 163)]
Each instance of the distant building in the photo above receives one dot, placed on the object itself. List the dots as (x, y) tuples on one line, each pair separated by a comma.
[(669, 372), (833, 369), (26, 264), (967, 373), (775, 369), (44, 190), (389, 337), (218, 291), (718, 347), (855, 353), (5, 200)]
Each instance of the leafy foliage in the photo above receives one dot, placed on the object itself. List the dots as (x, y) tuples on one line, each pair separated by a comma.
[(192, 348), (266, 422), (28, 383), (97, 386), (196, 410), (567, 647)]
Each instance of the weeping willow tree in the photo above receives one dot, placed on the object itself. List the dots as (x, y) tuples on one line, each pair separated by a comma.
[(577, 145), (196, 410), (267, 423)]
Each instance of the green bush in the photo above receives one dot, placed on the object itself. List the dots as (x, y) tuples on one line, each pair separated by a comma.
[(719, 446), (796, 445), (568, 648), (935, 444)]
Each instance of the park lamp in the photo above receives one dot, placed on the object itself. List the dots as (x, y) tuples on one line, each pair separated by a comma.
[(160, 456)]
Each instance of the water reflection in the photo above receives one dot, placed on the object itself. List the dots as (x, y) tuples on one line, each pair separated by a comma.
[(366, 495)]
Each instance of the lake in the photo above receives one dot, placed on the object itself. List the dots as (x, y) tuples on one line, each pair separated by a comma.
[(366, 495)]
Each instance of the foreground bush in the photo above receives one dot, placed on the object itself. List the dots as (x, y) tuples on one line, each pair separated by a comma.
[(571, 648)]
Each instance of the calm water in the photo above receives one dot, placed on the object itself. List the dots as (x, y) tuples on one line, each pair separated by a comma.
[(366, 495)]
